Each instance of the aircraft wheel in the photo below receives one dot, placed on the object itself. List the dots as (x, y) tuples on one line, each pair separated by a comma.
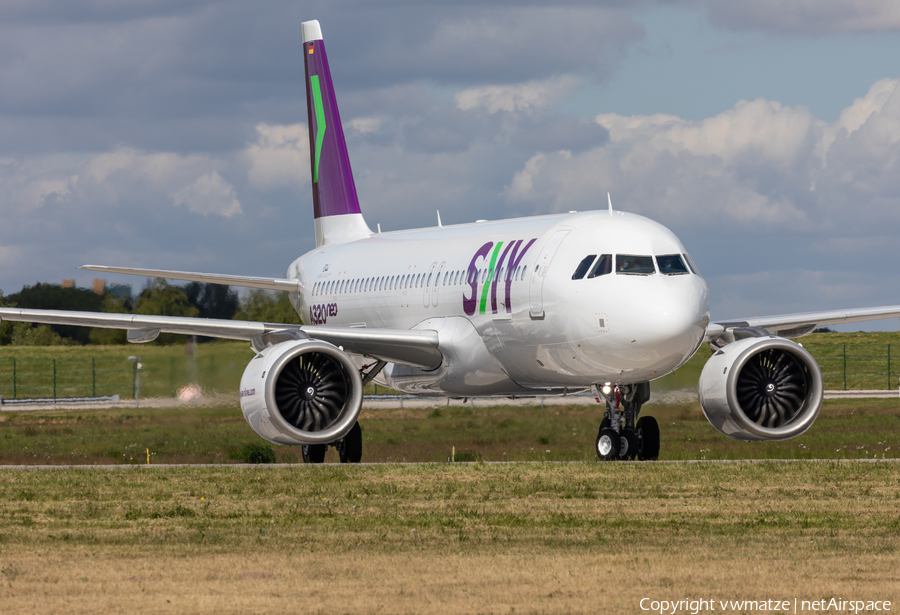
[(648, 438), (607, 445), (351, 451), (628, 445), (314, 453)]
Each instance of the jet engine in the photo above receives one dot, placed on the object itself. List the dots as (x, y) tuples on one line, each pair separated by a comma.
[(761, 388), (301, 392)]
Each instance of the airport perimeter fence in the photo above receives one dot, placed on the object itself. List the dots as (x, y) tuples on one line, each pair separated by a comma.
[(857, 366), (99, 376), (844, 367)]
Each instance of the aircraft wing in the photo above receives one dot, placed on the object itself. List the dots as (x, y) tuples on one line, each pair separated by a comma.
[(210, 278), (418, 348), (798, 325)]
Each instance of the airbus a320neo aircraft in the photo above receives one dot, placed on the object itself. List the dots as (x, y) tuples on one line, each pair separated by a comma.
[(546, 305)]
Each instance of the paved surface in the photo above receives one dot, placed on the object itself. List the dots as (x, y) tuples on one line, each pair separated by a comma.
[(375, 402)]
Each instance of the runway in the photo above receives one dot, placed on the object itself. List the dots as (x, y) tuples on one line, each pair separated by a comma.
[(376, 402)]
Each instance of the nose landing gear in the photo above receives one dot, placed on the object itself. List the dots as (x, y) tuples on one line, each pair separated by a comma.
[(620, 437)]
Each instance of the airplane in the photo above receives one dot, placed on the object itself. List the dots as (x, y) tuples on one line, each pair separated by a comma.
[(546, 305)]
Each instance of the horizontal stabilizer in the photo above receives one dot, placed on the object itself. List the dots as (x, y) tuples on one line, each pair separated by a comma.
[(209, 278)]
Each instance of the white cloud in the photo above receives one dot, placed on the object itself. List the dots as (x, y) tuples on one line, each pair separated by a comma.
[(366, 125), (526, 97), (758, 166), (280, 156), (209, 194), (759, 128), (853, 117), (114, 179)]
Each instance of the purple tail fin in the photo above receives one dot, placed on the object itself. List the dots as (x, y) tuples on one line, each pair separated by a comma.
[(334, 192)]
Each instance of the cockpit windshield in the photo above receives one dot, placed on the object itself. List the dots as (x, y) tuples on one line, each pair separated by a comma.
[(630, 264), (671, 264), (690, 261), (583, 266), (603, 266)]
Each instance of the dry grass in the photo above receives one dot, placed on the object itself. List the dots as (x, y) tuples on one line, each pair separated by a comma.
[(544, 538)]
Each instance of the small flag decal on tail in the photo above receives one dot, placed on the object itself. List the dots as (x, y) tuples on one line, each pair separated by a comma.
[(310, 48)]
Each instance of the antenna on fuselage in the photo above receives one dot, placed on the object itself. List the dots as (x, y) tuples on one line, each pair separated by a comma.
[(610, 203), (379, 228), (439, 218)]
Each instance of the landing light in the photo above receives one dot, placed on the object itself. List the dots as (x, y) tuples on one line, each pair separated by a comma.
[(607, 389)]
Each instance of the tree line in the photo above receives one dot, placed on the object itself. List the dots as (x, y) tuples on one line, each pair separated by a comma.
[(158, 297)]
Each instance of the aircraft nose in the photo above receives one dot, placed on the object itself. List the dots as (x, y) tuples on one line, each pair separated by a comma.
[(673, 322)]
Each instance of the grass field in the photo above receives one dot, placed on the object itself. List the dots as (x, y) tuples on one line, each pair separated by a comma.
[(444, 538), (845, 429), (580, 537)]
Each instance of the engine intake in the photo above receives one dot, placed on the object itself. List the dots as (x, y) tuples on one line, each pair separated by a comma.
[(761, 388), (301, 392)]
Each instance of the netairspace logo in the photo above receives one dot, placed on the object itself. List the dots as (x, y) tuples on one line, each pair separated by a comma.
[(824, 605)]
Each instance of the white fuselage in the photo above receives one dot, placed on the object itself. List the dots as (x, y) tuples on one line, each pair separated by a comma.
[(502, 295)]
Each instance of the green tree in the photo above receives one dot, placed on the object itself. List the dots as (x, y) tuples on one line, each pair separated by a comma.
[(6, 327), (264, 306), (24, 334), (159, 298), (213, 300), (112, 304), (54, 297)]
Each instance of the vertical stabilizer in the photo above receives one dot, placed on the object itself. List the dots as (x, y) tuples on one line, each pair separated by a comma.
[(336, 207)]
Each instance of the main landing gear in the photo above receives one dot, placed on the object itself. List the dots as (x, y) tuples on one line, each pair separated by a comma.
[(349, 448), (622, 435)]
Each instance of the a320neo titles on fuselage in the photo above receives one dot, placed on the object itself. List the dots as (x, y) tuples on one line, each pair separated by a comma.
[(547, 305)]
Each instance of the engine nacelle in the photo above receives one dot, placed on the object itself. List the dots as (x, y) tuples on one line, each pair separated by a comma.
[(761, 388), (301, 392)]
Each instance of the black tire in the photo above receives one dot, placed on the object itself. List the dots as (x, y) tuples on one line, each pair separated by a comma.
[(628, 445), (607, 445), (351, 451), (314, 453), (647, 430), (604, 423)]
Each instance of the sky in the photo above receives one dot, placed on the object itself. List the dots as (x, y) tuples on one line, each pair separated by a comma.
[(172, 133)]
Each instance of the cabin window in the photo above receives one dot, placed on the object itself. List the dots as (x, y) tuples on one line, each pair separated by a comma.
[(671, 264), (602, 267), (583, 266), (632, 264), (524, 271)]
